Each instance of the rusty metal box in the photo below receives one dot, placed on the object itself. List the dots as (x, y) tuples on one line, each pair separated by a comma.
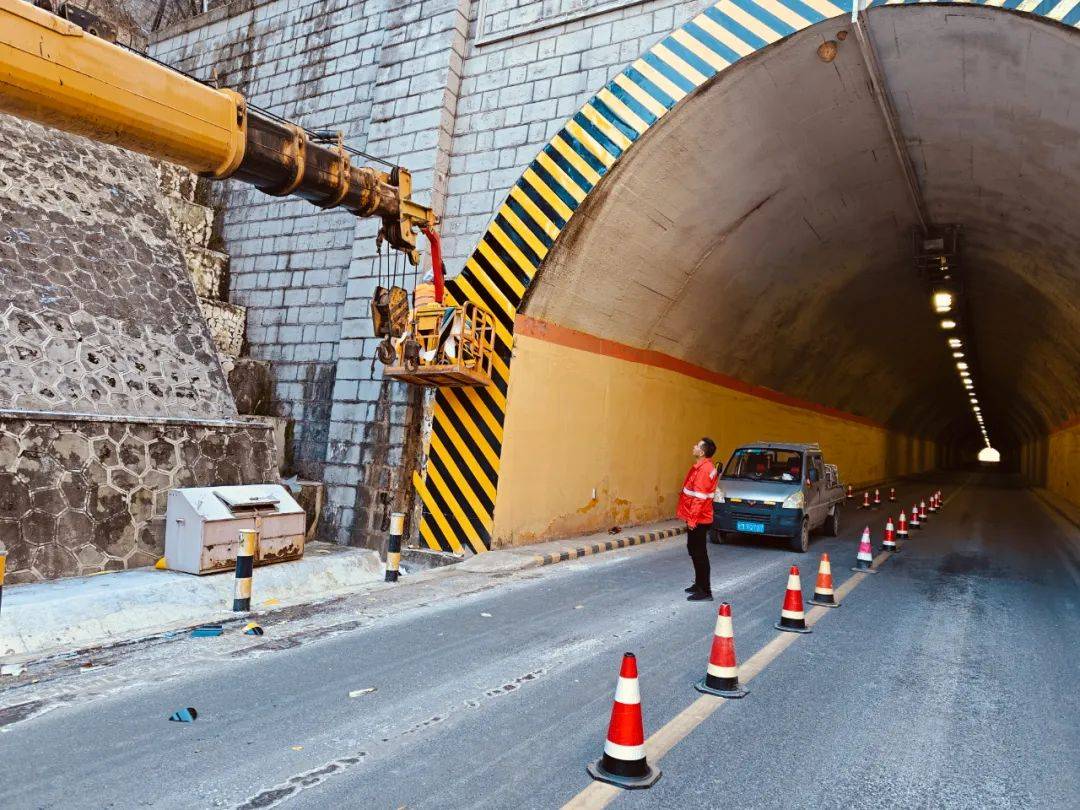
[(202, 526)]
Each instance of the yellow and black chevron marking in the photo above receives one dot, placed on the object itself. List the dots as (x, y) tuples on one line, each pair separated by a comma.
[(608, 545), (463, 461)]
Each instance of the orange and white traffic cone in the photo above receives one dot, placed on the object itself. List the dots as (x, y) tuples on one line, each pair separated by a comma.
[(722, 674), (823, 588), (889, 543), (922, 512), (624, 763), (901, 527), (866, 500), (866, 555), (915, 522), (877, 498), (792, 615), (892, 495), (850, 492)]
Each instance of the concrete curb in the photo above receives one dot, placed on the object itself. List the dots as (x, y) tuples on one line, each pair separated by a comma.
[(41, 619), (609, 545), (1058, 504)]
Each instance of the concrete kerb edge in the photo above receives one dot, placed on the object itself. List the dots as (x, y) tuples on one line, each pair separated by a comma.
[(1051, 499), (608, 545)]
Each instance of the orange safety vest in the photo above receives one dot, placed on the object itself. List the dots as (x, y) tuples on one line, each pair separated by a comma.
[(424, 294), (696, 499)]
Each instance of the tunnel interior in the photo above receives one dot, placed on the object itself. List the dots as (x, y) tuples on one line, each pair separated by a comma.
[(764, 228)]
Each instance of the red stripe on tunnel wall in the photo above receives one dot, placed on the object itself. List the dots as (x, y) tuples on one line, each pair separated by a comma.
[(571, 338), (1068, 424)]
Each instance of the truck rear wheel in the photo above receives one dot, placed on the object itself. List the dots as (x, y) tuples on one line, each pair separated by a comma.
[(801, 541), (832, 522)]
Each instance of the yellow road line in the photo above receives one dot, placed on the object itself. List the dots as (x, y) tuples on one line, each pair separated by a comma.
[(600, 794)]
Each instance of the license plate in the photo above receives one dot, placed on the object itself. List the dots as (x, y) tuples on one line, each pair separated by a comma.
[(747, 526)]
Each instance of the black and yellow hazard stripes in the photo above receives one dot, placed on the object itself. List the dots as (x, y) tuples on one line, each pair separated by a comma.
[(461, 480), (3, 568), (393, 546), (245, 566)]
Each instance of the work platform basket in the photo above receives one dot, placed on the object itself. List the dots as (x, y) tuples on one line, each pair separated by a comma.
[(449, 346)]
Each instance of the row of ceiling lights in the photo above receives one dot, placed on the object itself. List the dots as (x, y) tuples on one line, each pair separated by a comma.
[(944, 304)]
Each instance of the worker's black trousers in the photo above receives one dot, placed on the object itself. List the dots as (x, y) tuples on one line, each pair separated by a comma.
[(699, 553)]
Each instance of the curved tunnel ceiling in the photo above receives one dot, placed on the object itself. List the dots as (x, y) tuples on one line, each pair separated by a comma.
[(763, 228)]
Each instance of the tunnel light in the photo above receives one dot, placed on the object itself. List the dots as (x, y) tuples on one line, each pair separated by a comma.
[(962, 366), (955, 343), (957, 355), (966, 375), (943, 301), (948, 323)]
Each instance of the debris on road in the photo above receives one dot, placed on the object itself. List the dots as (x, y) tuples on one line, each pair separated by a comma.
[(253, 629), (187, 715), (207, 631), (486, 615), (365, 691), (12, 669)]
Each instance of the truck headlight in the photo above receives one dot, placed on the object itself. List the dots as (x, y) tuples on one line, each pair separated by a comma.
[(796, 500), (718, 496)]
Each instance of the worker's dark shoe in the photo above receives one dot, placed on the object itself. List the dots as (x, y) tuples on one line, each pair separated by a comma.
[(700, 596), (691, 589)]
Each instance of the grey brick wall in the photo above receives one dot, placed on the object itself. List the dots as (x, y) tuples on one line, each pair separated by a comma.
[(315, 63), (518, 91), (464, 94)]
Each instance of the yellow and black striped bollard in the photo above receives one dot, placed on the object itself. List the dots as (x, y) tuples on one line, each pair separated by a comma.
[(3, 567), (245, 564), (393, 546)]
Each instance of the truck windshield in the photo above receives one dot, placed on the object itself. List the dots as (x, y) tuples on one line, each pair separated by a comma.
[(764, 464)]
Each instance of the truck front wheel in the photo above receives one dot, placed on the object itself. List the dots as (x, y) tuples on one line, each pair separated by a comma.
[(801, 541)]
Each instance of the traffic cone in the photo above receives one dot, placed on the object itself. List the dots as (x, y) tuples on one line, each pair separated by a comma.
[(901, 527), (792, 615), (922, 512), (889, 543), (892, 495), (933, 502), (877, 498), (866, 500), (940, 500), (722, 674), (823, 588), (915, 523), (850, 492), (866, 554), (623, 763)]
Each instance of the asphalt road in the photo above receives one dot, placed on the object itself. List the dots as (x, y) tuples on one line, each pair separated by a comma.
[(949, 679)]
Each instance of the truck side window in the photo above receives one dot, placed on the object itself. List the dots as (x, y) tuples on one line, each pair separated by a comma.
[(815, 469)]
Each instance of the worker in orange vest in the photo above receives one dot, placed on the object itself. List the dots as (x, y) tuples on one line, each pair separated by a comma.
[(696, 508)]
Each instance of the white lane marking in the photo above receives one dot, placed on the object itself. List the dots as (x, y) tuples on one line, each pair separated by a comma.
[(600, 794)]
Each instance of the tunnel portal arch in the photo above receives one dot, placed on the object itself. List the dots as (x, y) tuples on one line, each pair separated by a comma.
[(462, 474)]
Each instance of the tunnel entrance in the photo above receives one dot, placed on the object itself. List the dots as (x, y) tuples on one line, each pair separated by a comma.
[(750, 266), (764, 230)]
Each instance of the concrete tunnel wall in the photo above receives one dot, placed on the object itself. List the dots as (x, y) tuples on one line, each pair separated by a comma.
[(832, 229)]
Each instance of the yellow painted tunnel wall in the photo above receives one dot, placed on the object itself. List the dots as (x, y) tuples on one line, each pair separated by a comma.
[(1054, 462), (579, 421)]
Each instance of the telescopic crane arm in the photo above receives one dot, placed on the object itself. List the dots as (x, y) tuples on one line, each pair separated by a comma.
[(55, 73)]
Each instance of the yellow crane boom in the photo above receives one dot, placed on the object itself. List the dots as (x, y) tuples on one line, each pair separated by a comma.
[(55, 73)]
